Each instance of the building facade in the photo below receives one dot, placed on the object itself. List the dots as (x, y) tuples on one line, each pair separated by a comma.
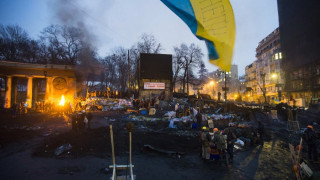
[(299, 29), (264, 77), (31, 83), (226, 79)]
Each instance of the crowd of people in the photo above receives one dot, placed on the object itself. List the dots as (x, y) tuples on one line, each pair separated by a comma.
[(219, 144), (19, 109), (146, 103), (81, 120)]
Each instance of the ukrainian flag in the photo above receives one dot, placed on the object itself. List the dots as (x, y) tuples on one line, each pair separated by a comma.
[(211, 21)]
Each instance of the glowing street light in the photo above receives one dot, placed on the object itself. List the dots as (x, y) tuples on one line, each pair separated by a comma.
[(212, 84), (274, 76)]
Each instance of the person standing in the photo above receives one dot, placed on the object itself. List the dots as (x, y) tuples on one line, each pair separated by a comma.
[(205, 140), (231, 138), (14, 111), (218, 140), (199, 119), (261, 132), (89, 117), (311, 139)]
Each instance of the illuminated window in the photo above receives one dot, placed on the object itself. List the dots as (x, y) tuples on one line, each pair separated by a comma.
[(276, 56), (280, 55)]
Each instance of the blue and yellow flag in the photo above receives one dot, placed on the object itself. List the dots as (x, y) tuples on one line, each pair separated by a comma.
[(211, 21)]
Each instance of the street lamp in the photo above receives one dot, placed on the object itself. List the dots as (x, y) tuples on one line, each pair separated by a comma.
[(275, 76), (212, 84)]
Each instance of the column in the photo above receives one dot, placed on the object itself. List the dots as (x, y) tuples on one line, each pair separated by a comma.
[(49, 86), (7, 99), (29, 92)]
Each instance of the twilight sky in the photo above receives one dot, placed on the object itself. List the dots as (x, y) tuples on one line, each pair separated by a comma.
[(114, 23)]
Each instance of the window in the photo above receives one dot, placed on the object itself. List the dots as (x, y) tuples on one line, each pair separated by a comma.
[(280, 55), (276, 56)]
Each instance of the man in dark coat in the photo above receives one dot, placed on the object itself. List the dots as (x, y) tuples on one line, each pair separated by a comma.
[(199, 119), (89, 117), (231, 139), (311, 139), (261, 132)]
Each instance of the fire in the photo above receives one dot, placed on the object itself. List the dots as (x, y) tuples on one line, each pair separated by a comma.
[(62, 101)]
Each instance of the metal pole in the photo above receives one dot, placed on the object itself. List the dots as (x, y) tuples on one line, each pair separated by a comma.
[(225, 91), (225, 87), (128, 73), (130, 151)]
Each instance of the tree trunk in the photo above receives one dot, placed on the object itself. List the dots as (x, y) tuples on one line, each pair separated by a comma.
[(187, 80), (184, 81)]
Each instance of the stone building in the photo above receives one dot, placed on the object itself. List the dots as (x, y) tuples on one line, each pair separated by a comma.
[(251, 81), (232, 81), (265, 75), (31, 83)]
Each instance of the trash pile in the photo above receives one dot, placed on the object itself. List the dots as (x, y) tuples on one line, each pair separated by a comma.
[(63, 149), (115, 104), (143, 118)]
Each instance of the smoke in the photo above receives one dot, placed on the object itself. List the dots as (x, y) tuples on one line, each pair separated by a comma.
[(87, 16), (82, 14)]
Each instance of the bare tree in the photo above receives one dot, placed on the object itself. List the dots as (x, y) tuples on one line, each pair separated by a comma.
[(203, 73), (110, 74), (263, 88), (14, 43), (191, 58), (177, 65), (63, 44), (148, 44)]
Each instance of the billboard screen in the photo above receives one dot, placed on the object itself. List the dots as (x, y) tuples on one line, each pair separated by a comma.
[(155, 66)]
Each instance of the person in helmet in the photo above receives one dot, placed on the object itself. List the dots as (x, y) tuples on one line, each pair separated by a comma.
[(219, 141)]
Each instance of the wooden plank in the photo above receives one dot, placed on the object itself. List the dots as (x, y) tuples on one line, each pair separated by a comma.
[(125, 177), (161, 150), (114, 175), (121, 166)]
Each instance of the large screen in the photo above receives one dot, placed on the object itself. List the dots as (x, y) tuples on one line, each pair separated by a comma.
[(155, 66)]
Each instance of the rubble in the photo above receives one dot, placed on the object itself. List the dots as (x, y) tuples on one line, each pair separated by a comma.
[(106, 104), (147, 146), (62, 149)]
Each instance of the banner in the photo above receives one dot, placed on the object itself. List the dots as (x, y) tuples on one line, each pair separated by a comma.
[(154, 85)]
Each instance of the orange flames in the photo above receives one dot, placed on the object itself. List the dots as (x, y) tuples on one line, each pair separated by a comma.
[(62, 101)]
